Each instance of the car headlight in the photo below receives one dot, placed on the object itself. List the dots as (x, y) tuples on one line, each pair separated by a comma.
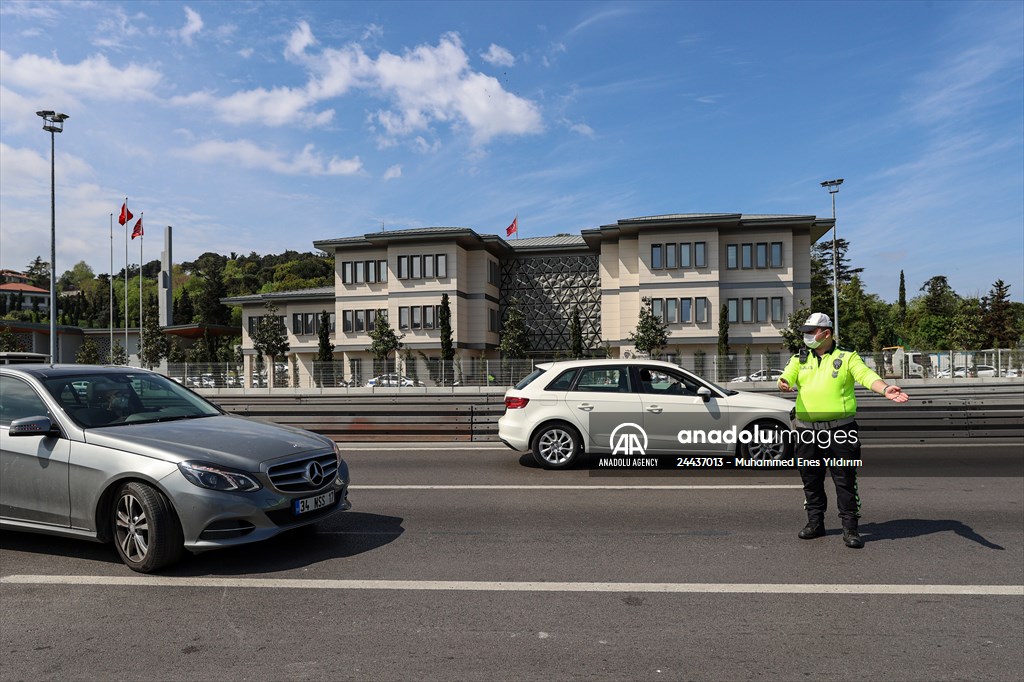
[(218, 478), (342, 466)]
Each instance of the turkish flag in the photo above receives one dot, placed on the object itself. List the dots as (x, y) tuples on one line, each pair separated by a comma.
[(513, 228), (137, 232), (126, 215)]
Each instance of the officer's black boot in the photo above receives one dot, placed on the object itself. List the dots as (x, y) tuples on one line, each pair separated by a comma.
[(815, 528), (851, 538)]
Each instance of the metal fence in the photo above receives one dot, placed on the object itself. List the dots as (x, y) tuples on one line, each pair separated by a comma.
[(414, 372)]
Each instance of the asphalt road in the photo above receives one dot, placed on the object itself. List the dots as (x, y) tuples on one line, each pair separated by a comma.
[(469, 563)]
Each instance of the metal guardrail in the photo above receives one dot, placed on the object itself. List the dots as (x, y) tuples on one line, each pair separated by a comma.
[(955, 413)]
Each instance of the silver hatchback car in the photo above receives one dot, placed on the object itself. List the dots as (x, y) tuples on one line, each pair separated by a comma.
[(127, 455)]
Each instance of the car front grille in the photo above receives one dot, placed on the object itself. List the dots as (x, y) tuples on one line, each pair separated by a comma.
[(306, 474)]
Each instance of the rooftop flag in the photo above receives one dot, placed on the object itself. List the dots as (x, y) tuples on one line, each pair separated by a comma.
[(126, 215), (513, 228), (137, 232)]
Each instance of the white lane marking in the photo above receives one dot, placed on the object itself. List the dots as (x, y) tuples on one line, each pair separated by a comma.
[(485, 586), (577, 487)]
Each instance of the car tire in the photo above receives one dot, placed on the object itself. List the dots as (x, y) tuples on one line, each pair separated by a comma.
[(754, 450), (145, 529), (557, 446)]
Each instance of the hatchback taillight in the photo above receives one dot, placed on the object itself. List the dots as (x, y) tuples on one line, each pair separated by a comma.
[(515, 403)]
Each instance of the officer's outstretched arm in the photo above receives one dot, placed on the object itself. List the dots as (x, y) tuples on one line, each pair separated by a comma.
[(892, 392)]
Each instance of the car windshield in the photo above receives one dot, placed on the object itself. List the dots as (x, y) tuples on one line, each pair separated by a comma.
[(113, 398)]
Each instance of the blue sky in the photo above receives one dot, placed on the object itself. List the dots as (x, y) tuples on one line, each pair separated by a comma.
[(266, 125)]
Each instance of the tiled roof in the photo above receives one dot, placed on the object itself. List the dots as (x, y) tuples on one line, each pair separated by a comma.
[(18, 286), (539, 242), (319, 292)]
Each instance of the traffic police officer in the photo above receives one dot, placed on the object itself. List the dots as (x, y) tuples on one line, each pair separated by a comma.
[(825, 422)]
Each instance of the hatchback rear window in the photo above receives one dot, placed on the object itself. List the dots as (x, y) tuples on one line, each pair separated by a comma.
[(528, 379), (563, 382)]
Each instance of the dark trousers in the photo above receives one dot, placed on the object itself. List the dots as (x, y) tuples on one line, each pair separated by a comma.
[(841, 443)]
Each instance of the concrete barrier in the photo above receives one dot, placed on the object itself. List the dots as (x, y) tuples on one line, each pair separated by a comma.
[(937, 413)]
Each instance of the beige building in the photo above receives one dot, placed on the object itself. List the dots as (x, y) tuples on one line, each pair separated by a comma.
[(690, 266)]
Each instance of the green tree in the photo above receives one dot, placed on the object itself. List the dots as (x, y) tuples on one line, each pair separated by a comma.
[(576, 334), (77, 278), (723, 344), (997, 317), (444, 323), (792, 337), (324, 374), (514, 343), (651, 333), (154, 342), (967, 328), (88, 353), (902, 302), (184, 313), (119, 355), (38, 273), (208, 307), (384, 342), (270, 338), (11, 342), (176, 352)]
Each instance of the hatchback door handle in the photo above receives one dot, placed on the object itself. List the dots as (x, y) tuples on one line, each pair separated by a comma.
[(586, 407), (655, 409)]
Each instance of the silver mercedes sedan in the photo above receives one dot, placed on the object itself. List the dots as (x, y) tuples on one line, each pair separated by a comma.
[(126, 455)]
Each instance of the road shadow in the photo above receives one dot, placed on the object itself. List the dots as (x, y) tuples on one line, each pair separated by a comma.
[(337, 537), (899, 529)]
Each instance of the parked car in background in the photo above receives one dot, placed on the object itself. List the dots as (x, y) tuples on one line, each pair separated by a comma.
[(564, 410), (761, 375), (152, 467), (392, 380), (973, 371)]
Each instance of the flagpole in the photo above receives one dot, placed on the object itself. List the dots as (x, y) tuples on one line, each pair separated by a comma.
[(140, 290), (126, 288), (110, 354)]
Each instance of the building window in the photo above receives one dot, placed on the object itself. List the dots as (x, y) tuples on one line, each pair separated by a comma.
[(762, 255), (428, 266), (703, 312), (371, 271), (748, 310), (360, 320), (346, 272), (403, 267), (777, 309), (492, 272), (346, 321), (731, 257), (428, 317), (734, 310), (748, 256), (685, 259), (308, 322), (442, 266), (658, 308), (700, 254), (415, 267), (359, 272), (403, 317), (382, 271), (296, 323), (656, 263), (371, 320), (417, 317), (776, 254), (762, 310), (671, 252), (672, 310), (686, 310), (492, 320)]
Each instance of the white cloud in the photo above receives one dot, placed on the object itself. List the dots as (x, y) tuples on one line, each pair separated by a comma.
[(245, 53), (583, 129), (193, 25), (249, 155), (498, 56), (300, 39), (393, 172), (94, 77), (427, 85)]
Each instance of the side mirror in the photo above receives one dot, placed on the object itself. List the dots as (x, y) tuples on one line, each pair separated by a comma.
[(33, 426), (704, 393)]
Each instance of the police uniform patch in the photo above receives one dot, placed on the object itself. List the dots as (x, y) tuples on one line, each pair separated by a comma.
[(836, 364)]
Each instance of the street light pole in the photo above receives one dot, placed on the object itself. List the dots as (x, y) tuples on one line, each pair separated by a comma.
[(833, 189), (53, 123)]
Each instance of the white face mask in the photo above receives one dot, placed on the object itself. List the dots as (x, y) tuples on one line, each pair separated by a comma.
[(811, 342)]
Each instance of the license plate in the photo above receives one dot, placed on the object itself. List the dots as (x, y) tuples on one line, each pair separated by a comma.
[(308, 504)]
